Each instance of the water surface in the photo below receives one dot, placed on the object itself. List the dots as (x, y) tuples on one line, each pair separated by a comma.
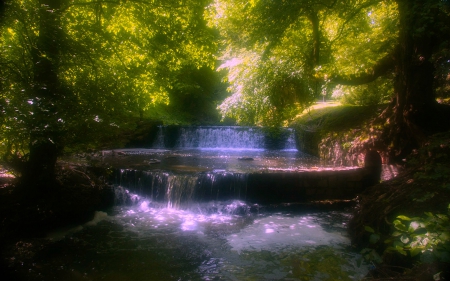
[(211, 241)]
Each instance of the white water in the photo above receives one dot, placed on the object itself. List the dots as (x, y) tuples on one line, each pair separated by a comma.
[(217, 240), (230, 245), (226, 137)]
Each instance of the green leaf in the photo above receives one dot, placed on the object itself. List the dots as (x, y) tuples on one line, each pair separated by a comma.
[(429, 214), (399, 225), (415, 251), (444, 236), (374, 238), (405, 218), (404, 239), (400, 250), (442, 217), (369, 229), (388, 241)]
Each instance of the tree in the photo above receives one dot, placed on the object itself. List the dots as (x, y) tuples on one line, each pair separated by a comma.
[(423, 36), (343, 42), (76, 71), (269, 45)]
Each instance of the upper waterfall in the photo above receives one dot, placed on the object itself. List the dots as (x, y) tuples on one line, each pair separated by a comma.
[(223, 137)]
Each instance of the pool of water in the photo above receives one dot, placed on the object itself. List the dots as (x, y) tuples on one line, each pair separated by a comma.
[(227, 240), (203, 160)]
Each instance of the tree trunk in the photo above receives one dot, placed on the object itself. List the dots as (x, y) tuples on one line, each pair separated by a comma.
[(315, 52), (416, 112), (45, 128)]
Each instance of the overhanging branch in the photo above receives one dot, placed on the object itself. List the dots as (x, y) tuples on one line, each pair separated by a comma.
[(382, 67)]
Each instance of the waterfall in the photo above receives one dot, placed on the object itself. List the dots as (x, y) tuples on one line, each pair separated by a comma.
[(225, 137), (178, 190), (218, 137), (218, 164)]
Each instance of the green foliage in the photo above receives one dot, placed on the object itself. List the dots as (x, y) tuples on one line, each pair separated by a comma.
[(266, 96), (371, 255), (280, 55), (76, 72), (422, 232), (341, 131), (428, 236), (378, 92), (195, 95), (362, 35), (336, 118)]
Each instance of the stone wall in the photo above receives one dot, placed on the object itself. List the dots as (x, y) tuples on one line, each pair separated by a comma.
[(261, 188), (304, 186)]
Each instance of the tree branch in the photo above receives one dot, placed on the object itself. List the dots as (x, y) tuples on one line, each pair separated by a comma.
[(382, 67), (352, 15)]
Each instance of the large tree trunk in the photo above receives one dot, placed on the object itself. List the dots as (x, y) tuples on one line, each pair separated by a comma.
[(45, 130), (416, 112)]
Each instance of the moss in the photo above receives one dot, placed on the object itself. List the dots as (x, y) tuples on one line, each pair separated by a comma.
[(336, 118), (337, 134)]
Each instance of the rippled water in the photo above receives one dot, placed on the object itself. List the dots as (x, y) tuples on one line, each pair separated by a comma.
[(211, 241)]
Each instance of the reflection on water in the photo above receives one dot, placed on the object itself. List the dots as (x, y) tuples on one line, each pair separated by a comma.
[(200, 160), (210, 241)]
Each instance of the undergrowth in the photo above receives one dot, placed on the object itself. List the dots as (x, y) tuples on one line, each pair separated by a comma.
[(405, 222)]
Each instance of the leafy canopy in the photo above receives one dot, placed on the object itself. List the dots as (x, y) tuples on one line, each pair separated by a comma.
[(112, 60), (280, 54)]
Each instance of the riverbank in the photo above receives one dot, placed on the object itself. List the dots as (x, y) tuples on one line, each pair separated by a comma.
[(81, 191), (400, 225), (403, 224)]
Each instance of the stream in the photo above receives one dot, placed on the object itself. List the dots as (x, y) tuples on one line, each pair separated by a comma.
[(174, 235), (211, 241)]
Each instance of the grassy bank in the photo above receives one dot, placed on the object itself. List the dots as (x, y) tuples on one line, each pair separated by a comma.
[(337, 133)]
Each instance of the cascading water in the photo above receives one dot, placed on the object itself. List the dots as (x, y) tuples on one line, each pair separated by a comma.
[(181, 190), (246, 138), (210, 163), (226, 137), (234, 239)]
